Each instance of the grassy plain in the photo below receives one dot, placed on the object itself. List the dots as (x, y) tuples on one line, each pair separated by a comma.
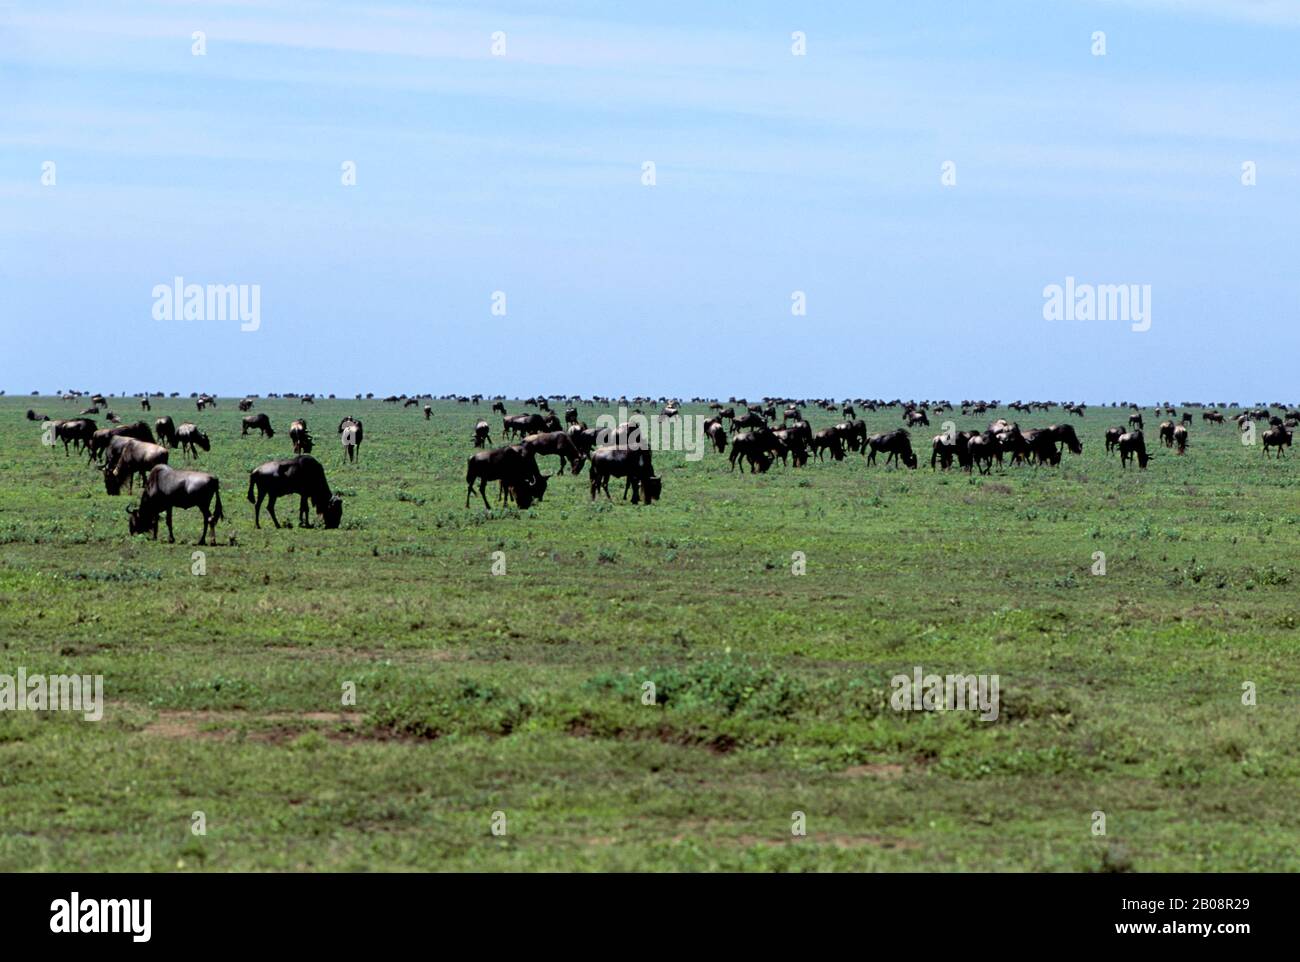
[(521, 693)]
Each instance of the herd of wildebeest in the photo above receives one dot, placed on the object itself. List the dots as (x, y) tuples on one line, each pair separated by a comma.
[(755, 434)]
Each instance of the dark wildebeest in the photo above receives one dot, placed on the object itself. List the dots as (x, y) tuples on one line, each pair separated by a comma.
[(897, 445), (1212, 416), (1132, 444), (717, 434), (1187, 417), (79, 432), (100, 440), (557, 443), (428, 412), (165, 428), (980, 451), (90, 410), (128, 457), (853, 434), (1277, 437), (630, 463), (1180, 439), (205, 400), (1112, 438), (796, 446), (191, 439), (748, 443), (300, 437), (33, 416), (1043, 442), (351, 434), (1135, 420), (302, 476), (1167, 433), (944, 448), (913, 418), (482, 434), (498, 408), (570, 416), (512, 466), (259, 422), (751, 419), (828, 439), (246, 404), (167, 488), (144, 404), (523, 425)]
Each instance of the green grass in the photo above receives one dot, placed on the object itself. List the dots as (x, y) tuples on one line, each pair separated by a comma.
[(522, 693)]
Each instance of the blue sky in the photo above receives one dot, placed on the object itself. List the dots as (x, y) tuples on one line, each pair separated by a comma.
[(775, 173)]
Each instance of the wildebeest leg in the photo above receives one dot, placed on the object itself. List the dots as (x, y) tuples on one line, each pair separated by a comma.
[(270, 508), (171, 536), (257, 508), (203, 539), (303, 521), (482, 492)]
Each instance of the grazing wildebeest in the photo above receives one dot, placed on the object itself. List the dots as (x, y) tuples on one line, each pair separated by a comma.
[(128, 457), (1187, 417), (351, 434), (100, 439), (828, 439), (515, 468), (558, 443), (205, 400), (897, 444), (853, 434), (630, 463), (1213, 417), (498, 408), (944, 448), (1132, 444), (1112, 438), (523, 425), (79, 432), (1180, 439), (259, 422), (300, 437), (144, 404), (717, 434), (1135, 420), (246, 404), (1167, 433), (428, 412), (482, 434), (302, 476), (167, 488), (980, 451), (913, 418), (191, 439), (1277, 437), (751, 419), (165, 428), (748, 443)]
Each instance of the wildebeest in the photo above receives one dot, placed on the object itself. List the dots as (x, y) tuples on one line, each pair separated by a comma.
[(498, 408), (246, 404), (205, 400), (100, 440), (167, 488), (828, 439), (165, 428), (303, 476), (144, 404), (630, 463), (523, 425), (515, 468), (301, 439), (428, 412), (1131, 445), (853, 434), (747, 444), (1135, 420), (751, 419), (913, 418), (482, 434), (1277, 437), (1112, 438), (191, 439), (1180, 439), (717, 434), (351, 435), (128, 457), (944, 447), (897, 444), (1167, 433), (258, 422), (78, 432), (558, 443), (1214, 417)]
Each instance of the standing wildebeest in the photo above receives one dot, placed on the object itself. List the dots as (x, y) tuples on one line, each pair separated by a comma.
[(144, 404), (828, 439), (301, 439), (302, 476), (258, 422), (100, 440), (943, 448), (897, 444), (512, 466), (246, 404), (1277, 437), (128, 457), (630, 463), (1112, 438), (751, 419), (913, 418), (557, 443), (1042, 442), (853, 434), (191, 439), (482, 434), (1135, 420), (717, 434), (351, 434), (570, 416), (167, 488), (523, 425), (1167, 433), (1214, 417), (428, 412), (165, 428), (1131, 445), (498, 408), (748, 444), (1180, 439), (79, 432), (205, 400)]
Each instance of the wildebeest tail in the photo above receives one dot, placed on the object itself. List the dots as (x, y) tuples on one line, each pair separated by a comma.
[(251, 499), (217, 514)]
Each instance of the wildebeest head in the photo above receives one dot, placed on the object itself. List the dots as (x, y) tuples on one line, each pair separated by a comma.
[(136, 523), (653, 488), (910, 459), (333, 513), (112, 484)]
